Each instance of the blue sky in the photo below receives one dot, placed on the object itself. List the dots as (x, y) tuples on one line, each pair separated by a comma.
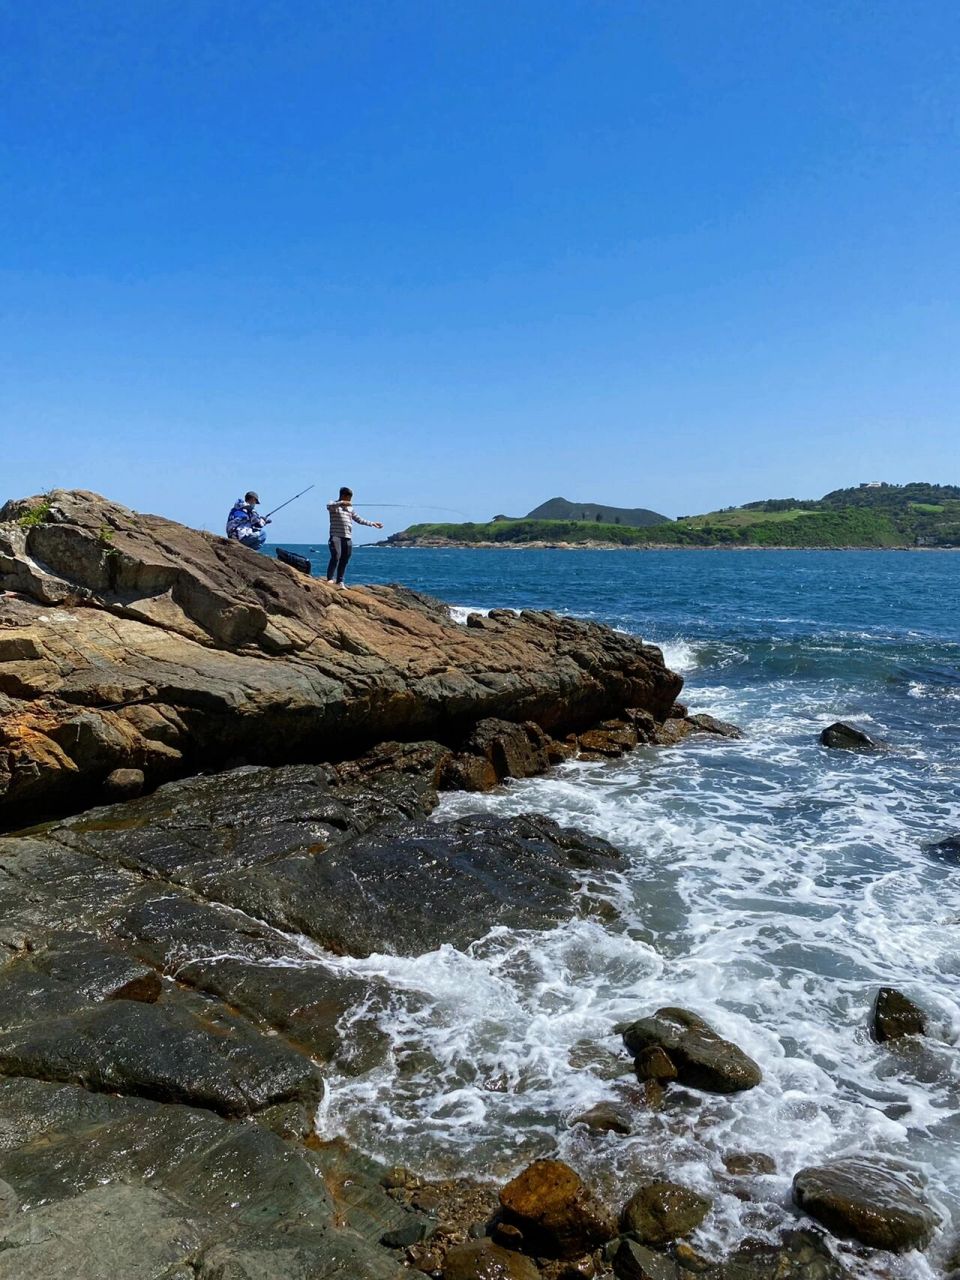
[(474, 255)]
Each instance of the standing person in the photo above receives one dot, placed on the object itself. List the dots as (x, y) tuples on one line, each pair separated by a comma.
[(342, 516), (245, 524)]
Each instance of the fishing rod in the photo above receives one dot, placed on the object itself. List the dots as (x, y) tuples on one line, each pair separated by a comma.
[(289, 500)]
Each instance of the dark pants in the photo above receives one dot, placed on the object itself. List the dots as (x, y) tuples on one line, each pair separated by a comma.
[(340, 549)]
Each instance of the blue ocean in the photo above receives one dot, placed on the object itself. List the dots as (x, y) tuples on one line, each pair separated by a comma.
[(772, 886)]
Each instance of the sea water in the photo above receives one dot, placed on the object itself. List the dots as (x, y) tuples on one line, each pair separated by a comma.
[(770, 884)]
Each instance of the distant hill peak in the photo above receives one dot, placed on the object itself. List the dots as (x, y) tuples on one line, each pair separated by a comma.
[(596, 513)]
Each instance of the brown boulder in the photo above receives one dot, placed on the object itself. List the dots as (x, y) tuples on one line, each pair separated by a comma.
[(484, 1260), (661, 1211), (555, 1210), (894, 1016), (606, 1117), (877, 1203), (703, 1059)]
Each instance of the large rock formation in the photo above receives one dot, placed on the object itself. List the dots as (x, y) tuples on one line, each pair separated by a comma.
[(131, 642), (161, 1050)]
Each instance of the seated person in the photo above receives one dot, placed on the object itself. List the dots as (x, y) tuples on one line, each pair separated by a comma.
[(244, 523)]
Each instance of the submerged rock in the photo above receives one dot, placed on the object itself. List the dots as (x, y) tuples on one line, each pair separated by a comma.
[(555, 1210), (945, 850), (895, 1016), (877, 1203), (702, 1059), (847, 737), (606, 1117)]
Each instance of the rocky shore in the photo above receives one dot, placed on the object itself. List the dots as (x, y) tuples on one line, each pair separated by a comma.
[(231, 773)]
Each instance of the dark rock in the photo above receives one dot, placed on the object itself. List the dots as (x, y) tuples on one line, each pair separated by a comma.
[(507, 1235), (156, 1051), (556, 1212), (633, 1261), (220, 1194), (894, 1016), (410, 1232), (124, 784), (798, 1255), (848, 737), (661, 1211), (606, 1117), (513, 750), (703, 723), (673, 731), (749, 1162), (484, 1260), (945, 850), (425, 760), (413, 888), (644, 724), (9, 1200), (690, 1259), (877, 1203), (254, 971), (469, 773), (654, 1063), (401, 1178), (613, 738), (702, 1058)]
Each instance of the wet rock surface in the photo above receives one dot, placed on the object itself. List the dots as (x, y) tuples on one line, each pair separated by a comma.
[(847, 737), (131, 643), (555, 1211), (661, 1211), (131, 1188), (162, 1035), (877, 1203), (702, 1059), (895, 1015)]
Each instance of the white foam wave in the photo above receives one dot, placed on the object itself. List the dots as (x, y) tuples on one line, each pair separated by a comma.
[(772, 887), (460, 612)]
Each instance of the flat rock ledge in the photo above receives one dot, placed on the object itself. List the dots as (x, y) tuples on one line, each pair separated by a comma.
[(129, 642), (163, 1034)]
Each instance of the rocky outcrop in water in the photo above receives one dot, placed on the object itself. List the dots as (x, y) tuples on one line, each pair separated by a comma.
[(878, 1203), (131, 642), (676, 1044), (847, 737), (895, 1015), (661, 1211)]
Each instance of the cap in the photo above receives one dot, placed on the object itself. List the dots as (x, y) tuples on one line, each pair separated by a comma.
[(251, 497)]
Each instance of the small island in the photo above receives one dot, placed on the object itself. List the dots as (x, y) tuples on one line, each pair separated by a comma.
[(870, 516)]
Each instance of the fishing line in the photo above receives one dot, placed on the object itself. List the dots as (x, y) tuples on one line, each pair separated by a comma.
[(412, 506)]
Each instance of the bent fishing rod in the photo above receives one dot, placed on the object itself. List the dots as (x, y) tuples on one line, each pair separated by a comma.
[(289, 500)]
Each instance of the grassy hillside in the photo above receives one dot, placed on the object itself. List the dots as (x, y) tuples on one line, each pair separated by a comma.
[(888, 516), (596, 513), (808, 529)]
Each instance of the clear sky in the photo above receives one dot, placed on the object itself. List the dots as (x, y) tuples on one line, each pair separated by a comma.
[(669, 253)]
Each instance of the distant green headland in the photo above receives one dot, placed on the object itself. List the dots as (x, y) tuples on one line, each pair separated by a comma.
[(871, 515)]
